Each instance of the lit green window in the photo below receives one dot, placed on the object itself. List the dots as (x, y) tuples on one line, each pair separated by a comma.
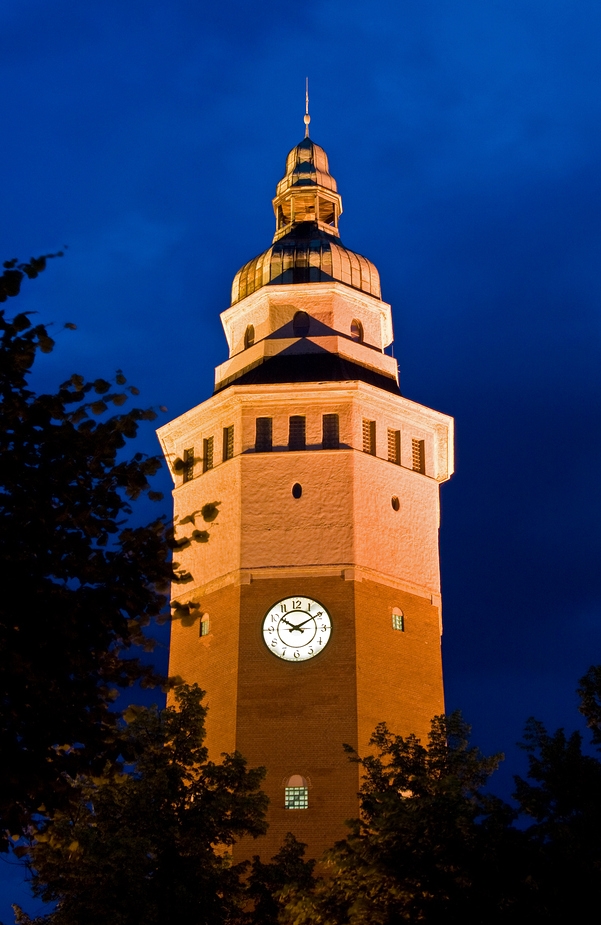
[(398, 620), (297, 798), (296, 793)]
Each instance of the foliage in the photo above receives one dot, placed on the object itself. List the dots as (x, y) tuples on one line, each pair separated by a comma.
[(430, 845), (80, 583), (269, 885), (562, 798), (151, 845)]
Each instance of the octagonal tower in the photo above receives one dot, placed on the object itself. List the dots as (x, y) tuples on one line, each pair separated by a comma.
[(313, 485)]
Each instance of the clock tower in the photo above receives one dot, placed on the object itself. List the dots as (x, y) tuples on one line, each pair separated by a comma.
[(309, 488)]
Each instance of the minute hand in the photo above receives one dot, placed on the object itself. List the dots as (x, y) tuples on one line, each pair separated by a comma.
[(298, 625)]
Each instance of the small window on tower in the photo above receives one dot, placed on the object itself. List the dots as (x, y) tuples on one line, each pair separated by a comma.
[(394, 447), (189, 464), (331, 432), (249, 336), (263, 435), (204, 625), (301, 324), (207, 454), (296, 794), (297, 432), (327, 213), (369, 437), (228, 442), (357, 330), (398, 620), (418, 455)]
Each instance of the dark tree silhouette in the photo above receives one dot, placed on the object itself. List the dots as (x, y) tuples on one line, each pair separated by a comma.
[(431, 846), (151, 845), (79, 583), (562, 799)]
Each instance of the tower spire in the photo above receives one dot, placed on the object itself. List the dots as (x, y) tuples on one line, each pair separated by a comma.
[(307, 116)]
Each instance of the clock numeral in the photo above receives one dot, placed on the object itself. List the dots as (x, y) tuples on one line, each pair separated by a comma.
[(310, 652), (319, 641), (320, 614), (296, 605), (274, 643), (324, 629), (297, 654), (283, 608), (283, 652), (274, 619)]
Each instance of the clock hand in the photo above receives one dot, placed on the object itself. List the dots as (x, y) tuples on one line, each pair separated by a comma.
[(298, 625), (293, 626)]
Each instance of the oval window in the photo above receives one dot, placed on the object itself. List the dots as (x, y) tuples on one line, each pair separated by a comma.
[(395, 503), (300, 324), (297, 490), (357, 330), (249, 336)]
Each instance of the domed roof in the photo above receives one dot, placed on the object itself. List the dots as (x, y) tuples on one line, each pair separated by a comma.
[(306, 246), (306, 255), (307, 165)]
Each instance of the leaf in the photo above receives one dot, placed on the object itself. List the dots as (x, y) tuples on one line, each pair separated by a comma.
[(101, 386), (46, 343), (98, 407)]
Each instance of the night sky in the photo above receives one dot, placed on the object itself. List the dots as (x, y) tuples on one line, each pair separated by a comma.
[(465, 137)]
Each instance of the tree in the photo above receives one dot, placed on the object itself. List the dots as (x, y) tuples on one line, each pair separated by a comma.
[(430, 845), (269, 885), (151, 845), (80, 584), (562, 800)]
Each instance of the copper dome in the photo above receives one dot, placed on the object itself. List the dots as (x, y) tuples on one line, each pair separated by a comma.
[(306, 246)]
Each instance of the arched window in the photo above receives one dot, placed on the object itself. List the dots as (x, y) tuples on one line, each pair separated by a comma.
[(204, 625), (301, 324), (296, 793), (398, 619), (357, 330), (249, 336)]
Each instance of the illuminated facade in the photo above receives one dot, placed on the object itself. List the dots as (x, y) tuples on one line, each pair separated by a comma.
[(316, 487)]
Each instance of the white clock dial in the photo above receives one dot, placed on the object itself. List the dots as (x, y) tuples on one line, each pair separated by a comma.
[(297, 628)]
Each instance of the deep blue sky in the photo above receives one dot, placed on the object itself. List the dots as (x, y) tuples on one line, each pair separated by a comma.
[(465, 137)]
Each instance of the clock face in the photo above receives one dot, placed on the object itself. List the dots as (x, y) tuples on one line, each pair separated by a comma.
[(297, 628)]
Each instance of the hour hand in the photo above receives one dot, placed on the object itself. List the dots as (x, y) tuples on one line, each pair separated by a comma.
[(292, 625)]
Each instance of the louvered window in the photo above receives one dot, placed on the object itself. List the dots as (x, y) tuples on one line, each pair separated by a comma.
[(418, 455), (228, 442), (369, 437), (394, 447), (189, 464), (297, 432), (263, 435), (331, 432), (207, 454)]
